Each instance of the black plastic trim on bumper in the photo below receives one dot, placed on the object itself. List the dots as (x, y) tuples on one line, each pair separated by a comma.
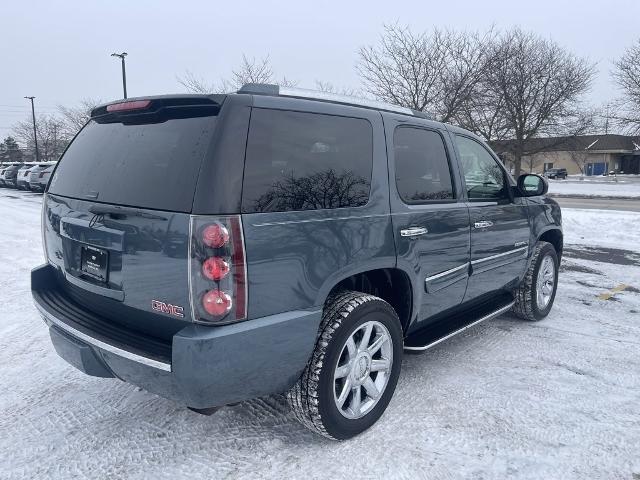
[(58, 309)]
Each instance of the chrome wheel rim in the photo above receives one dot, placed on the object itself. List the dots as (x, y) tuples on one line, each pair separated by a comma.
[(363, 370), (546, 282)]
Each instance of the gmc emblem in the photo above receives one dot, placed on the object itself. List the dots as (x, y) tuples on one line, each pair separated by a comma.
[(167, 308)]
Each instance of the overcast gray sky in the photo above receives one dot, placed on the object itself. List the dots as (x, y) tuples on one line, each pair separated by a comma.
[(59, 51)]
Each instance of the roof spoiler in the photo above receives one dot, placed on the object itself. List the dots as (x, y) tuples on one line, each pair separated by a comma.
[(144, 106)]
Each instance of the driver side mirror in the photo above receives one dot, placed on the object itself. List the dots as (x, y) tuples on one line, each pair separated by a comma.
[(531, 185)]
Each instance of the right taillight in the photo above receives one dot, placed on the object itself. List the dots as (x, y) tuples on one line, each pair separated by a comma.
[(215, 235), (217, 270)]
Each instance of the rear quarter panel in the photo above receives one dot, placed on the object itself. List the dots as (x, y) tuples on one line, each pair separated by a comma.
[(295, 258)]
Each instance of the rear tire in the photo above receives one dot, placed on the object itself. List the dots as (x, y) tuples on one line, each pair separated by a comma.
[(354, 369), (535, 296)]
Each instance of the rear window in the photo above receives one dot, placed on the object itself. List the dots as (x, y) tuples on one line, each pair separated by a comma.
[(151, 165), (306, 161), (422, 166)]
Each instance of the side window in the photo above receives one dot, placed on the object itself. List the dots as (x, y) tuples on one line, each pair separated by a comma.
[(484, 177), (306, 161), (422, 167)]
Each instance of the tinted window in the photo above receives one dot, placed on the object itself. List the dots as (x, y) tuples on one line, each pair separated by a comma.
[(152, 165), (483, 176), (306, 161), (422, 168)]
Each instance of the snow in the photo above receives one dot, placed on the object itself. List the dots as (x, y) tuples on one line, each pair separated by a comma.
[(602, 228), (554, 399), (597, 187)]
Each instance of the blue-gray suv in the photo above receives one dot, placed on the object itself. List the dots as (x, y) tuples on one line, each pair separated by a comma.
[(217, 248)]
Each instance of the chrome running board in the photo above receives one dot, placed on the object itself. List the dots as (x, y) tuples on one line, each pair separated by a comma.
[(488, 316)]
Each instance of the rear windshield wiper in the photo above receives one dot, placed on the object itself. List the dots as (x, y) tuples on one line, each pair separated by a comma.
[(117, 210)]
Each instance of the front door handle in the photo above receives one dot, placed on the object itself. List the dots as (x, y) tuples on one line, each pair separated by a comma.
[(413, 231), (483, 224)]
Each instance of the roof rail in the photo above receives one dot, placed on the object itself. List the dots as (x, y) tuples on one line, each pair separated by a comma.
[(276, 90)]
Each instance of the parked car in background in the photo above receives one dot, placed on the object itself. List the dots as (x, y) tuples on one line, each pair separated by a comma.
[(33, 179), (9, 175), (22, 176), (217, 248), (38, 179), (2, 169), (556, 173)]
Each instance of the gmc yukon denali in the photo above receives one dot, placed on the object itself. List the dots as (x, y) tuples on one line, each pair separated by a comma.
[(217, 248)]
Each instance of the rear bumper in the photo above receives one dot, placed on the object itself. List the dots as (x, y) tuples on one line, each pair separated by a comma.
[(202, 367)]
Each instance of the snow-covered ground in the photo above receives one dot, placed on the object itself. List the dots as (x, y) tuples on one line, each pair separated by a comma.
[(628, 186), (506, 399), (602, 228)]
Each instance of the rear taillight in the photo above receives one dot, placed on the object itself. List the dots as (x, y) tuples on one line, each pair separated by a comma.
[(216, 302), (215, 235), (43, 227), (217, 270)]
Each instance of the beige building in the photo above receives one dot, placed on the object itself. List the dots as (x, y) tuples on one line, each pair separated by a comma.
[(586, 154)]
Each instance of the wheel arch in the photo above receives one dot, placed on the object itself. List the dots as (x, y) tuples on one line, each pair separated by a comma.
[(555, 237), (391, 284)]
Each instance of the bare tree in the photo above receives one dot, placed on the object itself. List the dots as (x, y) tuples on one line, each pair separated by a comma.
[(580, 158), (249, 71), (52, 139), (324, 189), (467, 63), (74, 118), (627, 76), (328, 87), (484, 114), (436, 72), (195, 84), (536, 85)]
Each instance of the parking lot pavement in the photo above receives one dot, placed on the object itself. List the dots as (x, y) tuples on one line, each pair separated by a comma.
[(553, 399), (608, 187), (630, 205)]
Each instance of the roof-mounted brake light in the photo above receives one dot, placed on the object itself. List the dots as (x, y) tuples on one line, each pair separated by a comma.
[(126, 106)]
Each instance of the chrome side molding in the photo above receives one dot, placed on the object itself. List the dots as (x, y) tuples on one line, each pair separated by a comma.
[(446, 272), (504, 254)]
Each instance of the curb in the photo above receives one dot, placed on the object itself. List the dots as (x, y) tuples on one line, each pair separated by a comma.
[(591, 197)]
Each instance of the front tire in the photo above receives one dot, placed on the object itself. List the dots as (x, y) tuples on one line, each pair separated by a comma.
[(536, 294), (354, 369)]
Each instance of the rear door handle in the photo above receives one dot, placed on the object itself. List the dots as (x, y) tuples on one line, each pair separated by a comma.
[(413, 231), (483, 224)]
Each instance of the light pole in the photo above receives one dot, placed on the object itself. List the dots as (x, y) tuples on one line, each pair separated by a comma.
[(35, 135), (124, 73)]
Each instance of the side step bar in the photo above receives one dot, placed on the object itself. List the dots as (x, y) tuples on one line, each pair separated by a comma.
[(421, 342)]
